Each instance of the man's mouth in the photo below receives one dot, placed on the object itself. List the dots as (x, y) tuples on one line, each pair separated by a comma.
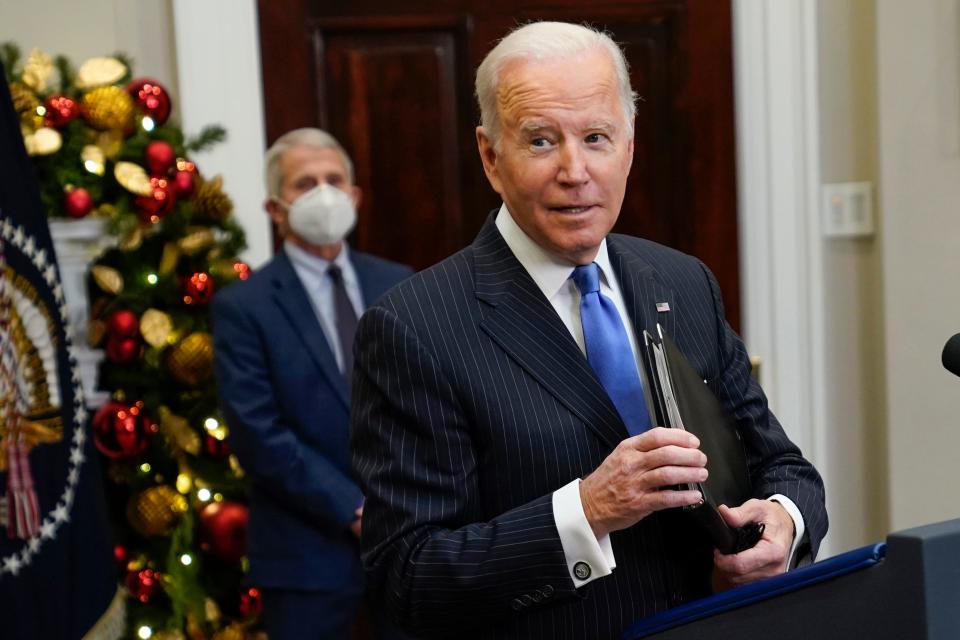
[(573, 209)]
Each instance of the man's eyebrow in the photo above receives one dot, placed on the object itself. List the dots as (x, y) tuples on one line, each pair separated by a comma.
[(603, 126), (534, 126)]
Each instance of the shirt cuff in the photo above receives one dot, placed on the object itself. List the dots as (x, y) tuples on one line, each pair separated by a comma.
[(587, 557), (799, 528)]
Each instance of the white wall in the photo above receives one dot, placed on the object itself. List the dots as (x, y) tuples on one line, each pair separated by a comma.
[(919, 117)]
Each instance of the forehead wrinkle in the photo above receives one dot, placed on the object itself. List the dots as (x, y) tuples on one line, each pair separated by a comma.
[(522, 100)]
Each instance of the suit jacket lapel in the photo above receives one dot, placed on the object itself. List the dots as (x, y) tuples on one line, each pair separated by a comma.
[(524, 323), (292, 299), (647, 299)]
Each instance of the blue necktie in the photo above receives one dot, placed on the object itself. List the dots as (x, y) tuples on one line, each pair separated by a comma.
[(608, 350)]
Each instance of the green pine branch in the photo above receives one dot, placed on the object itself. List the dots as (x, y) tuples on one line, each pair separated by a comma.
[(209, 136)]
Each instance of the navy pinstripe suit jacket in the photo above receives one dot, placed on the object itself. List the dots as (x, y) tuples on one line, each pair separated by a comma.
[(472, 404)]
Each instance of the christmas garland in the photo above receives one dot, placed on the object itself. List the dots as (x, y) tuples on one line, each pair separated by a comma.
[(104, 145)]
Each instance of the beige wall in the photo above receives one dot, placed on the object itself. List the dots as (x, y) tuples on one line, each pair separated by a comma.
[(918, 57), (853, 283), (142, 29)]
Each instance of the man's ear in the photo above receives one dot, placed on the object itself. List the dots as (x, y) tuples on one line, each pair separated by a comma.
[(276, 211), (488, 155), (356, 194)]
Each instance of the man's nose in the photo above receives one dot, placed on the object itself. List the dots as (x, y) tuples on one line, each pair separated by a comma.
[(573, 165)]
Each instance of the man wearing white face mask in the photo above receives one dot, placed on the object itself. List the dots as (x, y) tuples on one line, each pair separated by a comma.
[(283, 347)]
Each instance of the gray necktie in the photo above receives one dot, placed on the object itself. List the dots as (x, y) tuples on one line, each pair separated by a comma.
[(346, 319)]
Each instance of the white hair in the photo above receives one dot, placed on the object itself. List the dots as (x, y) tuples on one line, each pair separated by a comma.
[(304, 137), (543, 41)]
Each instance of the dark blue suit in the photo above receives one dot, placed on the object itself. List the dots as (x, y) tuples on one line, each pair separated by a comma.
[(287, 407), (473, 403)]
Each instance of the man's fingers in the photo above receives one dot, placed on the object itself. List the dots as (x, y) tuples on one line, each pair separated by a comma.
[(673, 455), (668, 476), (661, 437), (672, 499)]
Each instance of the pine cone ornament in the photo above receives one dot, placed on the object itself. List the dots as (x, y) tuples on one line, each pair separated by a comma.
[(108, 107), (210, 202), (191, 360), (25, 103), (155, 511)]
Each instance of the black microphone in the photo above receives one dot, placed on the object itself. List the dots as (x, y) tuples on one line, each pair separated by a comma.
[(951, 355)]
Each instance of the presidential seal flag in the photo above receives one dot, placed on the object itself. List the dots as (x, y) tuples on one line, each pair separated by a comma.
[(58, 578)]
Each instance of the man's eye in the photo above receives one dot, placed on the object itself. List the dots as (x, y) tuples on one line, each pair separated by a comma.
[(539, 142), (593, 138)]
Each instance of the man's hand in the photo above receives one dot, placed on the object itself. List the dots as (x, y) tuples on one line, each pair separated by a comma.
[(355, 525), (635, 479), (768, 557)]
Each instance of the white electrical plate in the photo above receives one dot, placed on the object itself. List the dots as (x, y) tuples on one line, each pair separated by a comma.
[(847, 209)]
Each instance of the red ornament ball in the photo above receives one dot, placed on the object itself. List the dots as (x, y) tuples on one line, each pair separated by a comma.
[(184, 183), (59, 111), (77, 202), (143, 585), (242, 269), (123, 324), (215, 448), (152, 99), (160, 201), (198, 288), (223, 530), (160, 157), (121, 430), (251, 602), (121, 555), (123, 350)]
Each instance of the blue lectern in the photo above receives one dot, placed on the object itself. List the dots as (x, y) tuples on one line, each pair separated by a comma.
[(907, 588)]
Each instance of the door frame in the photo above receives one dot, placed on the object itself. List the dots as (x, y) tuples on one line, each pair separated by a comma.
[(778, 180)]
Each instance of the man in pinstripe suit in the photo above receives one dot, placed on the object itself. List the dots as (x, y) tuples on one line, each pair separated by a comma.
[(504, 495)]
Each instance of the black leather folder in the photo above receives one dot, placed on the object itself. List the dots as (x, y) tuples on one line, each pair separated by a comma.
[(679, 398)]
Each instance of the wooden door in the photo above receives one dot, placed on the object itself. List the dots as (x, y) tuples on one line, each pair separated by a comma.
[(394, 83)]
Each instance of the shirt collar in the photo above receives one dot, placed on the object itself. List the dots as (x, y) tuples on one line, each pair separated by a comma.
[(314, 265), (549, 272)]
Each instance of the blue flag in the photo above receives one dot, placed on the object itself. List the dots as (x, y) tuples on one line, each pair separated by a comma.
[(57, 573)]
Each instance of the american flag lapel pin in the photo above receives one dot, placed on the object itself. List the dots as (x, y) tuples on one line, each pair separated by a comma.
[(663, 307)]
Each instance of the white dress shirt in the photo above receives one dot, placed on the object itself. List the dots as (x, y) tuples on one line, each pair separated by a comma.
[(312, 271), (552, 277)]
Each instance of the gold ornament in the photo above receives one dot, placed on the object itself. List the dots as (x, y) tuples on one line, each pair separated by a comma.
[(170, 634), (133, 178), (110, 142), (169, 258), (210, 202), (108, 107), (155, 511), (37, 70), (133, 240), (99, 71), (25, 103), (211, 610), (155, 327), (191, 360), (43, 142), (234, 631), (196, 241), (93, 159), (179, 432), (235, 466), (107, 278), (96, 332)]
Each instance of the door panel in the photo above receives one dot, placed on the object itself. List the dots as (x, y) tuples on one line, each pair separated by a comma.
[(396, 88)]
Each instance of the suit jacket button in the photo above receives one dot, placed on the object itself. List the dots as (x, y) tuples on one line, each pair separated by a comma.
[(547, 591), (516, 604), (581, 570)]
